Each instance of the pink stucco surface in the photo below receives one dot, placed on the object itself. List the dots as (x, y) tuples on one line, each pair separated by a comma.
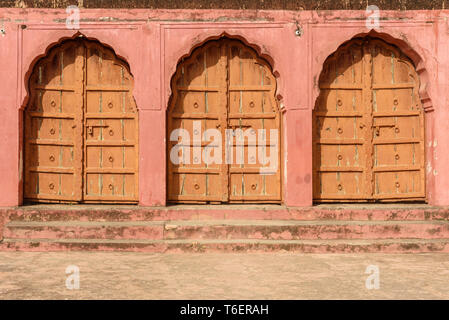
[(154, 41)]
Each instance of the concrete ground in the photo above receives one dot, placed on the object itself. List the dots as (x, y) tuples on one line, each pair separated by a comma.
[(26, 275)]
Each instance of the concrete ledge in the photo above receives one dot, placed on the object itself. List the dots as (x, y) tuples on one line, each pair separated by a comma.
[(399, 212), (231, 246)]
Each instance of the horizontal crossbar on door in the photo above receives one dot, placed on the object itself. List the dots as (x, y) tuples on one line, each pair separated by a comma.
[(396, 168), (108, 88), (396, 114), (104, 143), (48, 115), (252, 116), (211, 116), (262, 198), (340, 141), (250, 88), (42, 169), (396, 141), (334, 114), (193, 170), (175, 197), (110, 170), (393, 86), (340, 169), (341, 86), (198, 88), (55, 88), (110, 116), (50, 142)]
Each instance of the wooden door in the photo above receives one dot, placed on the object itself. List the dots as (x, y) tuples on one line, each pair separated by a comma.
[(110, 121), (252, 109), (226, 87), (80, 127), (368, 126)]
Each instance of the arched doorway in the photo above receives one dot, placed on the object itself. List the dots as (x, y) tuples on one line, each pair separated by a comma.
[(81, 134), (224, 87), (368, 126)]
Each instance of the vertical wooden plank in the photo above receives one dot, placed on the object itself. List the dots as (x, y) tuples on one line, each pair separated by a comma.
[(79, 102), (367, 103), (223, 114)]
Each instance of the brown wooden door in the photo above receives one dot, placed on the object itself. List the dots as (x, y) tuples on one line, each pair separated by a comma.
[(81, 127), (224, 86), (368, 126)]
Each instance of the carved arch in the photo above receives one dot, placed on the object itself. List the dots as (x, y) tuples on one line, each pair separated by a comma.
[(59, 42), (406, 49), (261, 52)]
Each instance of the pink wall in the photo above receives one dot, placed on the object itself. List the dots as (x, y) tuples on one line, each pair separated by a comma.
[(153, 41)]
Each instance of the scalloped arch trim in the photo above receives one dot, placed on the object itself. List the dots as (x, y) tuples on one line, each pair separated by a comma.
[(407, 50)]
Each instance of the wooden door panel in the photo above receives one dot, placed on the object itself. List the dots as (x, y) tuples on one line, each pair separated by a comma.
[(110, 187), (373, 110), (341, 155), (341, 185), (50, 186), (198, 104), (48, 183), (194, 102), (346, 101), (396, 100), (339, 128), (396, 155), (252, 108), (253, 187), (50, 156), (397, 129), (51, 170), (102, 67), (399, 134), (194, 185), (249, 102), (408, 127), (49, 71), (50, 101), (110, 121), (109, 103), (400, 184), (391, 66), (113, 157)]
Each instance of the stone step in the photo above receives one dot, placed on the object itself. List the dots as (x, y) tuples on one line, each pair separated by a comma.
[(233, 246), (225, 212), (228, 229)]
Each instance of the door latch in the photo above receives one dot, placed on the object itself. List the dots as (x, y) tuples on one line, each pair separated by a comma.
[(90, 128), (378, 126), (237, 126)]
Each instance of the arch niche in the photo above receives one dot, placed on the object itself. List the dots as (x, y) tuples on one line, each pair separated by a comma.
[(80, 127), (223, 85), (368, 126)]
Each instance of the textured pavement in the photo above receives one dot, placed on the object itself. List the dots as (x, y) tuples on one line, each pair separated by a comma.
[(27, 275)]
